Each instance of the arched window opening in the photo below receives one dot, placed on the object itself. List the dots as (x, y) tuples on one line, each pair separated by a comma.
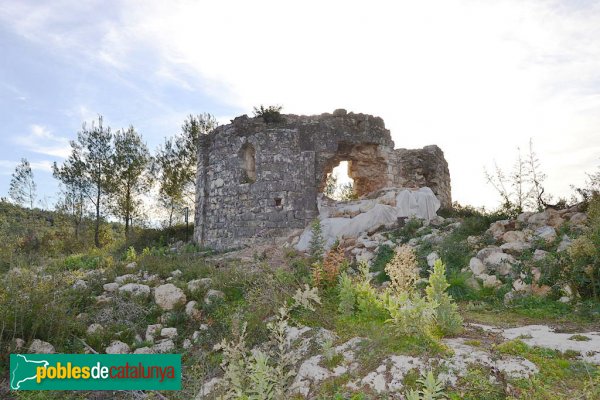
[(248, 161), (339, 185)]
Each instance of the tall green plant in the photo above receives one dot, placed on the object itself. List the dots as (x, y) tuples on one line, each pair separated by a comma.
[(447, 318)]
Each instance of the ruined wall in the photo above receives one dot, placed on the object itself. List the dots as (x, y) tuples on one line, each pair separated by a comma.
[(258, 180)]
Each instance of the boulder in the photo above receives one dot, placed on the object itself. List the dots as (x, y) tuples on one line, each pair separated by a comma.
[(500, 262), (432, 258), (498, 228), (578, 219), (94, 328), (144, 350), (487, 251), (110, 287), (513, 236), (490, 281), (127, 277), (187, 343), (547, 217), (80, 284), (40, 347), (515, 247), (168, 296), (203, 283), (476, 266), (164, 346), (546, 232), (118, 347), (131, 265), (564, 244), (170, 333), (176, 274), (135, 289)]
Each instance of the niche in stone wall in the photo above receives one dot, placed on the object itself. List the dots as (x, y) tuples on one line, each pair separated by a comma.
[(248, 163)]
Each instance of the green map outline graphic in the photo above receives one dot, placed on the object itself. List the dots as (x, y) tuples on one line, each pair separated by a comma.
[(14, 373)]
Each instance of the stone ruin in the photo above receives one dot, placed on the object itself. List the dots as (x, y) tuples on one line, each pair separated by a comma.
[(257, 180)]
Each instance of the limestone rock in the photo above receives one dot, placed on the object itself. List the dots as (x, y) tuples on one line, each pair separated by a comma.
[(94, 328), (539, 254), (564, 244), (546, 232), (118, 347), (432, 258), (144, 350), (40, 347), (135, 289), (168, 296), (500, 262), (131, 265), (80, 284), (487, 251), (123, 278), (476, 266), (513, 236), (203, 283), (170, 333), (164, 346), (110, 287), (578, 219)]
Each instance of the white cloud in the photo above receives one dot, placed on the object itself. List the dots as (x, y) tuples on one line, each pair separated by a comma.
[(41, 140), (477, 78)]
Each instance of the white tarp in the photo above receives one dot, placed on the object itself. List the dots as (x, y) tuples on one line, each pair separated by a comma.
[(371, 213)]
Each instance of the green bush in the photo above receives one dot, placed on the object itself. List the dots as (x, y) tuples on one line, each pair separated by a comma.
[(270, 114)]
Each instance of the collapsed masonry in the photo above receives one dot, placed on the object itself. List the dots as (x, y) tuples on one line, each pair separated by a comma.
[(258, 180)]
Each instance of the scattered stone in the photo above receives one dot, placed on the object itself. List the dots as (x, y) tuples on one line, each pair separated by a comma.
[(513, 236), (187, 343), (135, 289), (144, 350), (170, 333), (110, 287), (500, 262), (565, 243), (94, 328), (152, 331), (176, 274), (192, 310), (578, 219), (168, 296), (546, 232), (19, 343), (80, 284), (123, 278), (498, 228), (164, 346), (40, 347), (490, 281), (103, 299), (118, 347), (539, 254), (487, 251), (476, 266), (213, 294), (515, 247), (432, 258), (131, 265)]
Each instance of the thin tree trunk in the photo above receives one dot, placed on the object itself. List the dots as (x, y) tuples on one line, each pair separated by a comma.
[(97, 228)]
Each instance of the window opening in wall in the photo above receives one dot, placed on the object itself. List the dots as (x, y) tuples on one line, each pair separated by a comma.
[(339, 185), (248, 161), (278, 202)]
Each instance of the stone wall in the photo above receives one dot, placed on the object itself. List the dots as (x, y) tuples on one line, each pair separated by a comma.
[(258, 180)]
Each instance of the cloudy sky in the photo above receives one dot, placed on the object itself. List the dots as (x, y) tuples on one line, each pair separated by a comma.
[(478, 78)]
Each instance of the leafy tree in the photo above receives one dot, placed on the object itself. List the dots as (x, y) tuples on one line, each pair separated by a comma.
[(72, 203), (22, 186), (90, 167), (176, 162), (130, 159)]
